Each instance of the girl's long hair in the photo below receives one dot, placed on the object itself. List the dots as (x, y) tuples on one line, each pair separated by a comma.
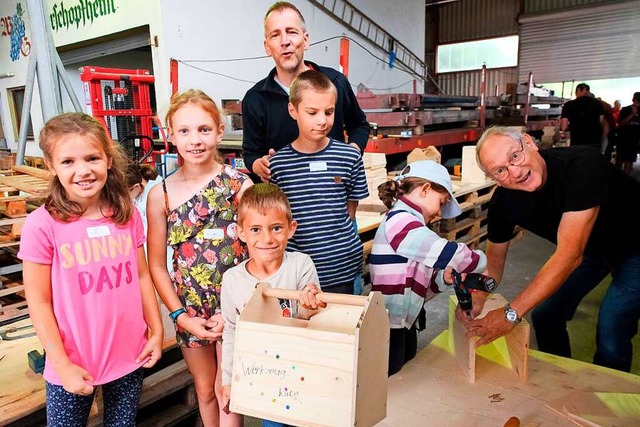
[(114, 197)]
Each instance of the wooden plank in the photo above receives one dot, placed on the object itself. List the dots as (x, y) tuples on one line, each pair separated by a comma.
[(604, 409), (36, 172), (512, 348), (433, 376)]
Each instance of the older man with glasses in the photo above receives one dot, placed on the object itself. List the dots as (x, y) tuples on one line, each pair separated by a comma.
[(575, 199)]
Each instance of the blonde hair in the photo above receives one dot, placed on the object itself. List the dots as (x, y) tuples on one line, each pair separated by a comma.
[(389, 192), (202, 100), (263, 197), (114, 195), (310, 80)]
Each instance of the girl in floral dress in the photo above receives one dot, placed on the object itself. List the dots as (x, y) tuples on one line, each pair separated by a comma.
[(194, 211)]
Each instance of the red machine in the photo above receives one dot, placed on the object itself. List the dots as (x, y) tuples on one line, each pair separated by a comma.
[(120, 99)]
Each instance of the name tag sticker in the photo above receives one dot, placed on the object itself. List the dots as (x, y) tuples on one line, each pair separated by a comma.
[(317, 166), (98, 231), (214, 233)]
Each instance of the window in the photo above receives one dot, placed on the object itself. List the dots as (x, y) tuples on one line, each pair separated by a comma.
[(495, 53), (16, 101)]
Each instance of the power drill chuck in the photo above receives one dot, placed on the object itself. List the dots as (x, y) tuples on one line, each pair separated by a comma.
[(472, 281)]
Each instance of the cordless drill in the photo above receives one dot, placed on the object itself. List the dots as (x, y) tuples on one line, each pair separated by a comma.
[(473, 281)]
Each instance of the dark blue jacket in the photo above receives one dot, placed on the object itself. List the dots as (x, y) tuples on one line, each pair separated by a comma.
[(266, 122)]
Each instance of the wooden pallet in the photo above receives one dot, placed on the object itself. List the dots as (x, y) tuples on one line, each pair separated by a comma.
[(470, 227), (28, 179), (13, 303)]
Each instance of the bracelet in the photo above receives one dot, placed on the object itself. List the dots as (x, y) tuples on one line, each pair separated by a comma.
[(174, 314)]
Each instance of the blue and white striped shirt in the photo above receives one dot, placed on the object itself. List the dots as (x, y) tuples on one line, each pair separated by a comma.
[(318, 186)]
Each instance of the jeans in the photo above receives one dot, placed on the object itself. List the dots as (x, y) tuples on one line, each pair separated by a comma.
[(120, 398), (617, 318)]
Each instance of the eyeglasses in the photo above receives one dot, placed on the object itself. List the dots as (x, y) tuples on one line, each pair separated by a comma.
[(516, 159)]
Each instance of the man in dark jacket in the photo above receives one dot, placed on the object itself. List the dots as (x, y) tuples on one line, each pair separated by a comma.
[(267, 125)]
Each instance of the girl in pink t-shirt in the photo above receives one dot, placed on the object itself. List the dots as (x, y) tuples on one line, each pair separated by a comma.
[(90, 295)]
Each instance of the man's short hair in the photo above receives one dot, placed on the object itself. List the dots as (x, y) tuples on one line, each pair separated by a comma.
[(279, 7), (583, 86), (636, 97), (263, 197), (310, 80)]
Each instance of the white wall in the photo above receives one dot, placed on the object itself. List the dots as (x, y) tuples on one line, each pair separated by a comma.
[(205, 30), (115, 16), (214, 30)]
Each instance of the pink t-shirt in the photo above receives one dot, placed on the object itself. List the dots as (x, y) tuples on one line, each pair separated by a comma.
[(95, 290)]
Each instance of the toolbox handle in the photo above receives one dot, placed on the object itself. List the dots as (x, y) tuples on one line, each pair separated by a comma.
[(325, 297)]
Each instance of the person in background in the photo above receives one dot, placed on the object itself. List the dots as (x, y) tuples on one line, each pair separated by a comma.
[(76, 296), (407, 255), (265, 224), (323, 179), (577, 200), (140, 180), (584, 117), (194, 211), (617, 105), (628, 135), (609, 142)]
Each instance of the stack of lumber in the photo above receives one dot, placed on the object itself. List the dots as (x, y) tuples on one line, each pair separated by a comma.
[(21, 189), (375, 169)]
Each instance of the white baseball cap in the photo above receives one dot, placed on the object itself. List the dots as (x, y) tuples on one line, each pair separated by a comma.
[(433, 172)]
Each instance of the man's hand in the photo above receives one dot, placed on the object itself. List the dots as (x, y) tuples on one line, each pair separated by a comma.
[(478, 299), (356, 146), (492, 326), (261, 166)]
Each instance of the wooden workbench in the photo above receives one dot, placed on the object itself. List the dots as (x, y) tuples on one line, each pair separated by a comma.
[(432, 390), (22, 393)]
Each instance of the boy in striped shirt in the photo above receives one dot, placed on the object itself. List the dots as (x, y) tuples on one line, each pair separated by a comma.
[(323, 179)]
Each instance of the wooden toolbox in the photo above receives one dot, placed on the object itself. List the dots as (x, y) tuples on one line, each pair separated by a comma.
[(330, 370)]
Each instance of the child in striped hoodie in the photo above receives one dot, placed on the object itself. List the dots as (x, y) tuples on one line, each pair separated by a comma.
[(408, 259)]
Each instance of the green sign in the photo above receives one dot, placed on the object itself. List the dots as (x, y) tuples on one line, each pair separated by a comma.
[(81, 13)]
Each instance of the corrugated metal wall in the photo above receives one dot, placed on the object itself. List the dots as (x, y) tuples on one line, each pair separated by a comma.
[(536, 6), (477, 19), (597, 42), (468, 82)]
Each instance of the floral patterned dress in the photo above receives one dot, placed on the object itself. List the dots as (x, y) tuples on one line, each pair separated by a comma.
[(203, 234)]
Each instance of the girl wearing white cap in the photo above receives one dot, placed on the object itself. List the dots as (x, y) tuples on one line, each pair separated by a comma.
[(407, 255)]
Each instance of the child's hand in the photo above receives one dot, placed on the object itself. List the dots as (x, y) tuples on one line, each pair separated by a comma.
[(448, 276), (75, 379), (215, 325), (226, 398), (200, 327), (152, 351), (308, 298)]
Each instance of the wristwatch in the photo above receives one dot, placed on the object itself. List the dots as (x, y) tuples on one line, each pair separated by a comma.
[(511, 315)]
